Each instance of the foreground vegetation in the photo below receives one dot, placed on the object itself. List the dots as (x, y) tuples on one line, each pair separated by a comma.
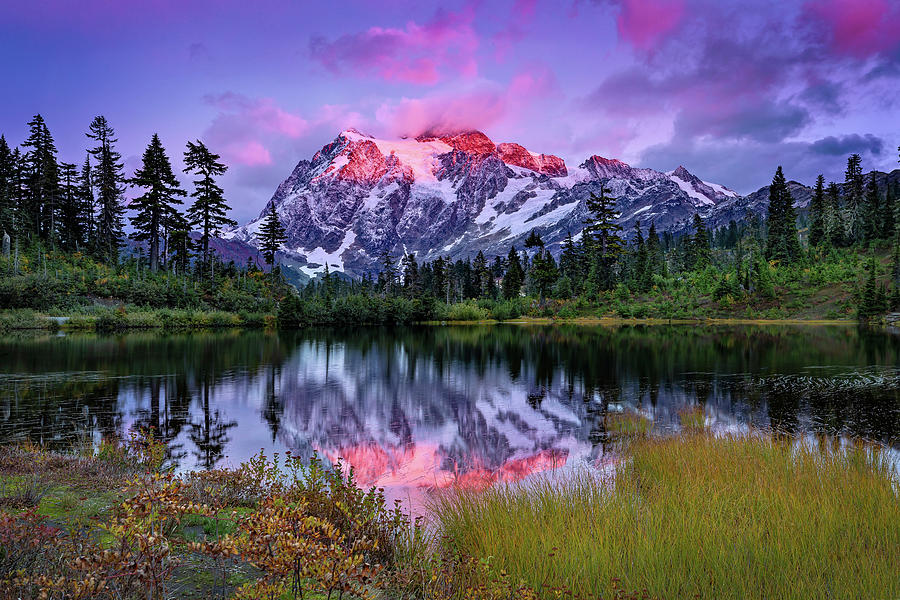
[(695, 516)]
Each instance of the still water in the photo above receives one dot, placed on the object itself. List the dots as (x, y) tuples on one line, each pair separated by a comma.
[(420, 408)]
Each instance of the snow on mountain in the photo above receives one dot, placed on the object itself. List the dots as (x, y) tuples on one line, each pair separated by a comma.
[(439, 195)]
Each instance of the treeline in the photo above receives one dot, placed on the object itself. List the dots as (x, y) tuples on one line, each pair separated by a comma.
[(62, 206), (63, 229)]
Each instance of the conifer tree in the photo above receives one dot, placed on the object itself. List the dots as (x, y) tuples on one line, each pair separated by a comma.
[(209, 208), (156, 205), (534, 240), (41, 181), (514, 276), (602, 240), (874, 215), (440, 285), (853, 200), (411, 278), (655, 258), (570, 260), (699, 244), (178, 236), (271, 235), (71, 230), (8, 185), (88, 204), (834, 225), (782, 242), (888, 216), (387, 277), (543, 272), (640, 276), (817, 213), (109, 183), (483, 277)]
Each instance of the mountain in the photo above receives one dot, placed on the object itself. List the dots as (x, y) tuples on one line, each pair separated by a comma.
[(452, 195)]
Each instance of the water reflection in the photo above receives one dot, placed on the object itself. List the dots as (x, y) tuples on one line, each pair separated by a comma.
[(423, 407)]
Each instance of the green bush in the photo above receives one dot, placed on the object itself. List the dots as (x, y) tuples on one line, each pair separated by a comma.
[(466, 311)]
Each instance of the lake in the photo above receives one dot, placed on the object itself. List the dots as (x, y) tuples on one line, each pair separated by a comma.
[(413, 409)]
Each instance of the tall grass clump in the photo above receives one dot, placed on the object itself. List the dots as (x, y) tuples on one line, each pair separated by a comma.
[(696, 516), (465, 311)]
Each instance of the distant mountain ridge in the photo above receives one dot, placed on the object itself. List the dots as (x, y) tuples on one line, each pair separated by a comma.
[(453, 195)]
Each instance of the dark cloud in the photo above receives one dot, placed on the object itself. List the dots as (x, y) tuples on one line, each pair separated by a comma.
[(848, 144), (754, 119), (826, 96), (746, 166)]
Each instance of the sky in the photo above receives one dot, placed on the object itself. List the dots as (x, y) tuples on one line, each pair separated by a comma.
[(730, 89)]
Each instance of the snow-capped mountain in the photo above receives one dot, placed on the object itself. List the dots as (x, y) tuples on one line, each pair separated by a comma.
[(453, 195)]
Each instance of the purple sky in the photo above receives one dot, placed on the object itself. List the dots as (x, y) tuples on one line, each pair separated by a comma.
[(730, 89)]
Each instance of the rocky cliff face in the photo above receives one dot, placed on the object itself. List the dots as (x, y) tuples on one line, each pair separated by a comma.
[(453, 195)]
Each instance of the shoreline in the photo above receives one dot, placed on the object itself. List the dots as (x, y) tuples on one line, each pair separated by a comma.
[(199, 320)]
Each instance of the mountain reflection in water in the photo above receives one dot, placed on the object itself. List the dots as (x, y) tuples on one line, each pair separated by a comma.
[(427, 407)]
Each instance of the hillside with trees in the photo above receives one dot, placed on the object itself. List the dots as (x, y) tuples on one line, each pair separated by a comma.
[(66, 251)]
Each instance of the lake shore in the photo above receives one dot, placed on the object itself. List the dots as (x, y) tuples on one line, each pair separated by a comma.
[(733, 528), (189, 320)]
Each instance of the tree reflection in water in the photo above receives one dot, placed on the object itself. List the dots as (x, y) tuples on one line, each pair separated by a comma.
[(430, 406)]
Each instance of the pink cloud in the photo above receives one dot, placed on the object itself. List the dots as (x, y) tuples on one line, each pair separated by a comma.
[(643, 23), (858, 28), (250, 154), (520, 18), (479, 107), (421, 54), (245, 127), (261, 113)]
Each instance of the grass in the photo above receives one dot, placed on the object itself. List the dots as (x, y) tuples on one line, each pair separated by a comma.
[(629, 425), (692, 418), (696, 516)]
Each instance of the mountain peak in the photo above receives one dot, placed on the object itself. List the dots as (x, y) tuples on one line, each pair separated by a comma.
[(469, 141), (546, 164), (683, 174)]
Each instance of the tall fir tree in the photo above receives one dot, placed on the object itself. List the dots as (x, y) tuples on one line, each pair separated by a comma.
[(271, 235), (834, 223), (387, 277), (655, 254), (156, 205), (412, 281), (602, 240), (514, 276), (571, 264), (88, 204), (71, 229), (208, 212), (854, 190), (817, 213), (640, 264), (8, 185), (109, 182), (889, 212), (782, 242), (41, 181), (543, 273), (177, 230), (873, 214), (700, 250), (482, 274)]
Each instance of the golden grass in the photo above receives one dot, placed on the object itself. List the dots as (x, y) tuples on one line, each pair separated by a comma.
[(696, 516)]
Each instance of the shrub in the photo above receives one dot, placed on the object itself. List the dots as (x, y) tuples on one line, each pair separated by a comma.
[(466, 311)]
